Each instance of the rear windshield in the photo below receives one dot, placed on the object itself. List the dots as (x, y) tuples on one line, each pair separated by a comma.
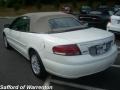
[(64, 23), (117, 13)]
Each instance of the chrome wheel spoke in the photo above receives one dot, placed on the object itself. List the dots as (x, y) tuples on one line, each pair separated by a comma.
[(35, 64)]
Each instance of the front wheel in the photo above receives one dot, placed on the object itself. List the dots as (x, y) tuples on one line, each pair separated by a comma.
[(37, 65)]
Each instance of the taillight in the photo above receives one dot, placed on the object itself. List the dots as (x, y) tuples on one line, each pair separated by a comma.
[(67, 50)]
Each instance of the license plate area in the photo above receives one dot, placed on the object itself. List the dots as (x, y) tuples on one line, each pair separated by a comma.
[(100, 49), (118, 22)]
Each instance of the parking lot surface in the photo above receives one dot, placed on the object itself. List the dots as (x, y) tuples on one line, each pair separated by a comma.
[(16, 70)]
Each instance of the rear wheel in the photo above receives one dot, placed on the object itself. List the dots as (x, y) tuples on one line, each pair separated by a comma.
[(37, 65)]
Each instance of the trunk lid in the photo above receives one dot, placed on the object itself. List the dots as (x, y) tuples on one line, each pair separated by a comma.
[(82, 36)]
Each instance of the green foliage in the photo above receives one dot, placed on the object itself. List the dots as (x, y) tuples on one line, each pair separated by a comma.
[(74, 4), (18, 4), (90, 2), (2, 3), (103, 2), (57, 4), (10, 3), (16, 7), (38, 5)]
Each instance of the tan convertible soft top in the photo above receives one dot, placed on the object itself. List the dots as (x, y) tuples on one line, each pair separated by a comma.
[(39, 21)]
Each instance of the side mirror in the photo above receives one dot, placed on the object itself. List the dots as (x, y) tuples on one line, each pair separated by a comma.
[(6, 25)]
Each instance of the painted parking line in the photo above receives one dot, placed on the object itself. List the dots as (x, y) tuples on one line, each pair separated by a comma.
[(47, 82), (75, 85), (117, 66)]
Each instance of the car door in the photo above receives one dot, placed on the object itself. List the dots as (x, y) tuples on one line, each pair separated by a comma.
[(13, 36), (17, 28), (24, 28)]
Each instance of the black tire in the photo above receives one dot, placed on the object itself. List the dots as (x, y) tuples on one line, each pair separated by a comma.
[(40, 71), (6, 44)]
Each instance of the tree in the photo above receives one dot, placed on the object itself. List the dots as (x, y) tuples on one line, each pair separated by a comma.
[(2, 3), (17, 6), (9, 3), (38, 4), (90, 2), (30, 2), (57, 4), (103, 2), (74, 4)]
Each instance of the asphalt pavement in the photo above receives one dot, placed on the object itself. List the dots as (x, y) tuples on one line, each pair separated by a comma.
[(16, 70)]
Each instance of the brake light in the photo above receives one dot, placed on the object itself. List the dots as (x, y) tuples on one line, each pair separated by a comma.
[(67, 50)]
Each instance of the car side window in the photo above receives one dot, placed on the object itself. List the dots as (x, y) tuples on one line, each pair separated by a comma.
[(21, 24)]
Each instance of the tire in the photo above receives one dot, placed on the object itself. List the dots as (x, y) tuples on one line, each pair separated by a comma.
[(37, 65), (6, 44)]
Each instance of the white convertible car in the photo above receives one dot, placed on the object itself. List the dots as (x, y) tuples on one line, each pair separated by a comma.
[(60, 44)]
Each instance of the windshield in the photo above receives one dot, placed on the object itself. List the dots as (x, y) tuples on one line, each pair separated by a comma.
[(64, 23)]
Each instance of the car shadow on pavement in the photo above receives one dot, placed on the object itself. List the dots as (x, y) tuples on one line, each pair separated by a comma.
[(108, 79)]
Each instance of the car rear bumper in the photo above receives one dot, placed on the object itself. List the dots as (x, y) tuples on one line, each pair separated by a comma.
[(84, 64)]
